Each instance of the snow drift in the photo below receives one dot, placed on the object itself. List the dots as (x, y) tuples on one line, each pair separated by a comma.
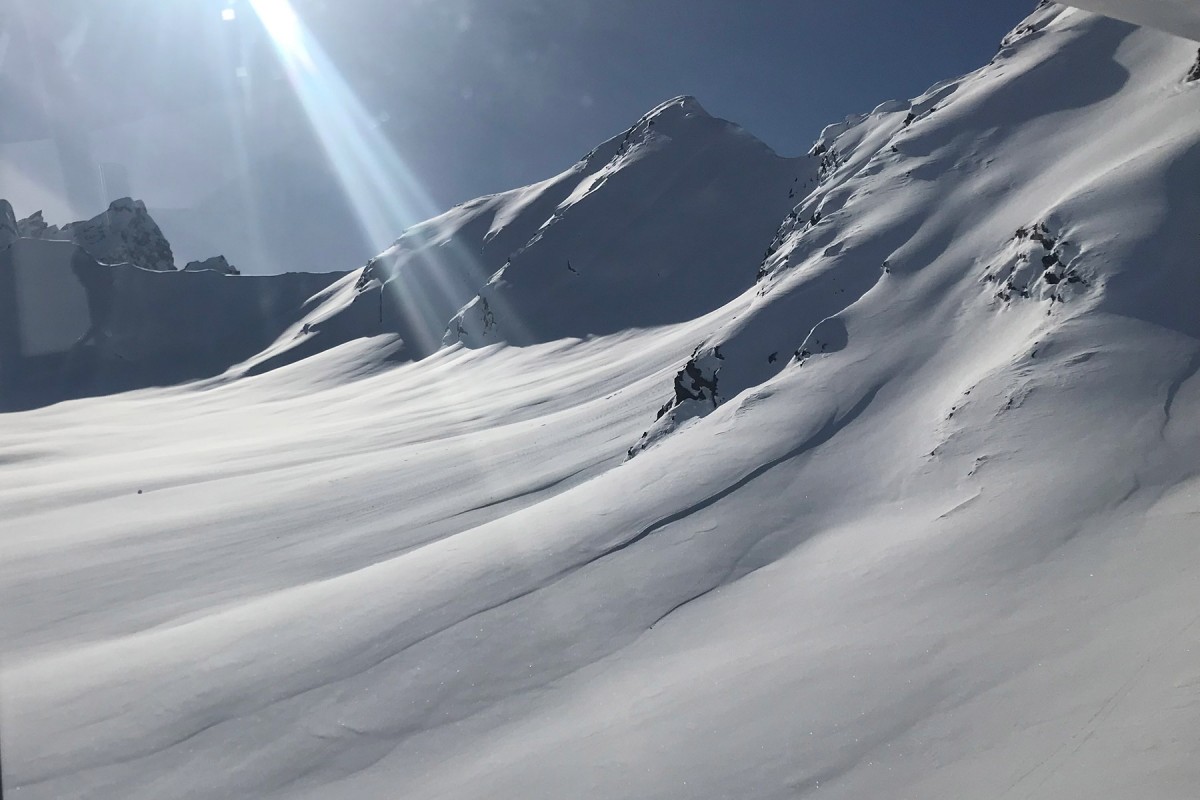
[(1180, 17), (910, 512)]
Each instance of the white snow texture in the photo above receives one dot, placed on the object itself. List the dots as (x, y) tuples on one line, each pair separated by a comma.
[(693, 471)]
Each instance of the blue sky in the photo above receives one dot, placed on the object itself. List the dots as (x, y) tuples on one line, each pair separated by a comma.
[(470, 96)]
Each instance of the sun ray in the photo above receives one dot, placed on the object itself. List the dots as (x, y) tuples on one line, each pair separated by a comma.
[(385, 195)]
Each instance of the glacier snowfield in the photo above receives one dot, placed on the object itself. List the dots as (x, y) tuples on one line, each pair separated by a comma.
[(693, 471)]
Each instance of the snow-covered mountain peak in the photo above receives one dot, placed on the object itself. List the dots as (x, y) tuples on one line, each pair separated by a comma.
[(667, 229), (124, 233), (680, 118), (623, 238), (682, 105), (672, 115), (894, 184), (913, 513)]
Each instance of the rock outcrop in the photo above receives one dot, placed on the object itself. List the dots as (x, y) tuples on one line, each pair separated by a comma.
[(215, 264), (124, 234)]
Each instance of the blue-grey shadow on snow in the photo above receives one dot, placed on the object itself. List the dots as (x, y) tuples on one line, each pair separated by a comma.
[(1160, 281), (1036, 93)]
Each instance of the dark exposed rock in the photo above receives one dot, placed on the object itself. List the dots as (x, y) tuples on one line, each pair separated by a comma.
[(695, 396), (123, 234), (8, 224), (692, 384), (215, 264), (34, 227)]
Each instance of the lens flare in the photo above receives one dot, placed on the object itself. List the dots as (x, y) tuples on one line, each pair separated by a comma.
[(383, 192)]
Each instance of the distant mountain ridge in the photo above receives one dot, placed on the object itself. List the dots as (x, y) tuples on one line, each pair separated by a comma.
[(660, 223), (123, 234)]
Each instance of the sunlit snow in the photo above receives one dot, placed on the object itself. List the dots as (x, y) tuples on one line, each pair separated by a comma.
[(873, 473)]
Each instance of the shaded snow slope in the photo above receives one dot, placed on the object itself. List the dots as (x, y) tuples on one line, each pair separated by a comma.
[(917, 517), (658, 225), (670, 227), (998, 187), (1179, 17)]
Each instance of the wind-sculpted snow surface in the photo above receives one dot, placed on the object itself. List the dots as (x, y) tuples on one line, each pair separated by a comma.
[(1180, 17), (913, 516)]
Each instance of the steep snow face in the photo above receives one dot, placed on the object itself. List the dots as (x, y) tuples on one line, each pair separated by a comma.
[(433, 269), (916, 519), (657, 225), (998, 185), (1178, 17), (670, 227)]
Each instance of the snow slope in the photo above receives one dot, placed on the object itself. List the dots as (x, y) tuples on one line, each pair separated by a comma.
[(640, 232), (1180, 17), (668, 229), (914, 514)]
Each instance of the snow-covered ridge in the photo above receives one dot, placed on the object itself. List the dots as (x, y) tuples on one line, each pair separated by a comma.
[(671, 226), (1178, 17), (657, 225), (913, 516), (846, 244)]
